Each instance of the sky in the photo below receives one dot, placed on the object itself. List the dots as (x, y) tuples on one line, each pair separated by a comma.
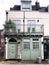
[(6, 4)]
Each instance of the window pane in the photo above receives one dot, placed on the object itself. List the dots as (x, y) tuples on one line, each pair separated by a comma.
[(17, 22), (26, 46), (44, 41), (35, 45), (28, 29), (26, 6), (36, 39), (48, 40), (26, 42), (31, 25), (33, 29)]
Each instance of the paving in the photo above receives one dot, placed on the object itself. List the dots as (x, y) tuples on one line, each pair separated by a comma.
[(19, 63)]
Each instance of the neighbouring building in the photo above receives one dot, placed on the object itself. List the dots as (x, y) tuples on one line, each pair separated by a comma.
[(46, 47), (1, 38), (2, 46), (23, 32)]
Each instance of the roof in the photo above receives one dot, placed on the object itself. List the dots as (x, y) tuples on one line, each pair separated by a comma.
[(34, 7), (16, 7), (46, 36)]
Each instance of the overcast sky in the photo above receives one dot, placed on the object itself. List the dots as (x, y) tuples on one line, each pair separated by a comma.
[(6, 4)]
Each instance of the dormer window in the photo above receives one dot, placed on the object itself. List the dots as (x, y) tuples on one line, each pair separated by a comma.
[(26, 5)]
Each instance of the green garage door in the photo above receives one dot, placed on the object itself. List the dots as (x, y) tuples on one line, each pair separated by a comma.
[(30, 49), (26, 49)]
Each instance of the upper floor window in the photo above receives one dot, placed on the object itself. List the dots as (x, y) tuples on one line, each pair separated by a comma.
[(25, 6), (29, 29), (18, 24), (31, 25)]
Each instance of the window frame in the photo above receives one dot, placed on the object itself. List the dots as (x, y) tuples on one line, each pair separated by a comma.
[(26, 43), (35, 45)]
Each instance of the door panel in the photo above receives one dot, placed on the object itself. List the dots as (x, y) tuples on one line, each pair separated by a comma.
[(30, 51), (12, 51)]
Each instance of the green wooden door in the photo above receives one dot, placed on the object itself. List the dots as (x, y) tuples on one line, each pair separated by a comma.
[(31, 49), (12, 51), (26, 49)]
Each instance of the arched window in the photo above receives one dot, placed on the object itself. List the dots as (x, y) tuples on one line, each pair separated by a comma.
[(12, 40)]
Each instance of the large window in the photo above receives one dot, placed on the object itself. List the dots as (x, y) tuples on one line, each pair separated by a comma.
[(31, 25), (18, 25), (26, 42)]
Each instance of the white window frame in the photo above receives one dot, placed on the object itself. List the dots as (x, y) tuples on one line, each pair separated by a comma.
[(18, 24), (35, 45), (30, 23), (26, 43)]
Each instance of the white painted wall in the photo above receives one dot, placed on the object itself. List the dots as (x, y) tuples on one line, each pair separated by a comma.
[(43, 18), (15, 15), (42, 51)]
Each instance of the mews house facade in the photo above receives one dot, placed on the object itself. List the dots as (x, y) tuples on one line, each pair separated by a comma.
[(23, 33)]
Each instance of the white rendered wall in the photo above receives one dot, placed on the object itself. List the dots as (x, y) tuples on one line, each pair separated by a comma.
[(42, 51), (43, 18)]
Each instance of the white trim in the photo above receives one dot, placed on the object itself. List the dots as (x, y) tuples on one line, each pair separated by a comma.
[(42, 51), (6, 48)]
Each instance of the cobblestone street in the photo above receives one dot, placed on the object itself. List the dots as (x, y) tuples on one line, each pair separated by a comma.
[(17, 63)]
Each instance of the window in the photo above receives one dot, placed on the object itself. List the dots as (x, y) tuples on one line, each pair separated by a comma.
[(31, 25), (26, 45), (35, 39), (12, 40), (37, 20), (35, 45), (26, 42), (18, 30), (18, 24), (33, 29), (28, 29), (25, 6), (44, 41), (30, 22), (48, 40)]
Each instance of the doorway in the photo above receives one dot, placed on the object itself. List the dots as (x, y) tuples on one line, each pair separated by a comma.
[(12, 49)]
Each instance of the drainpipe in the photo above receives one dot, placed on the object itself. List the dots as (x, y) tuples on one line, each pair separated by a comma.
[(24, 22), (6, 16)]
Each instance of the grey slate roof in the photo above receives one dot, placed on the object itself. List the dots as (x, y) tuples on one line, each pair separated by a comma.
[(35, 7)]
